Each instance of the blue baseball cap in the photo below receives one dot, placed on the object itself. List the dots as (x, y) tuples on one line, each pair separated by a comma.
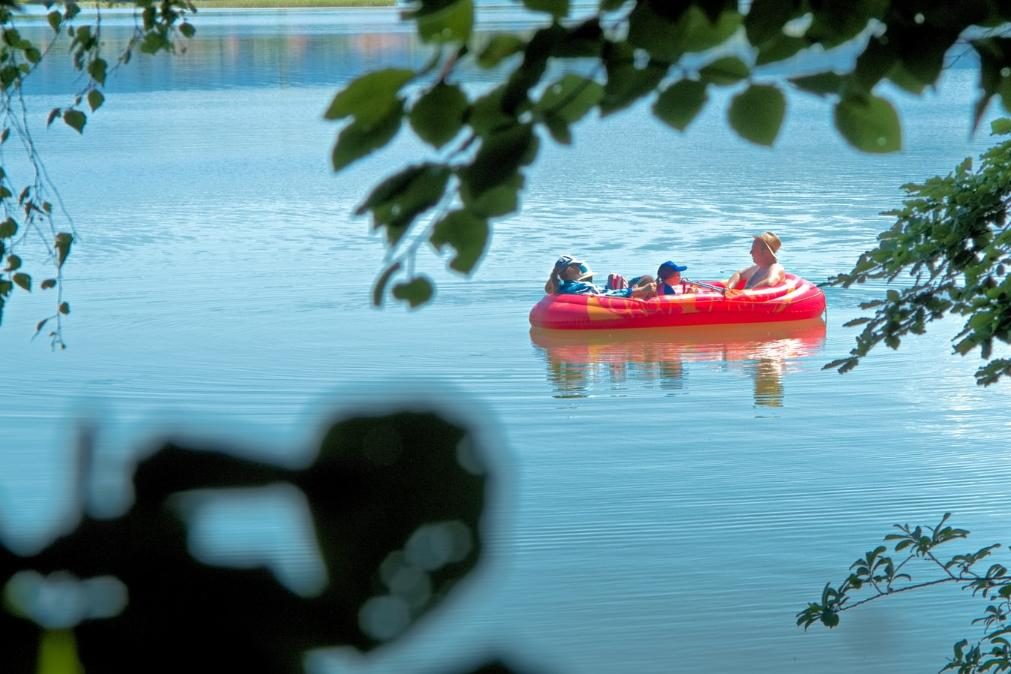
[(567, 261), (670, 268)]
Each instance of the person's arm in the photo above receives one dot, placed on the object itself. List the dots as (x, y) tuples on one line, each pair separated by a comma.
[(734, 279), (775, 276)]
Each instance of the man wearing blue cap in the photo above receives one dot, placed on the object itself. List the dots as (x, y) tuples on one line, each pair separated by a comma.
[(668, 279)]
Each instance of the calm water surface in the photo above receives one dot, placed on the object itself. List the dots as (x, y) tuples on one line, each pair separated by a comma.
[(667, 502)]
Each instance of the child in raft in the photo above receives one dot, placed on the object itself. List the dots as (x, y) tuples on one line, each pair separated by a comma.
[(571, 276), (668, 279)]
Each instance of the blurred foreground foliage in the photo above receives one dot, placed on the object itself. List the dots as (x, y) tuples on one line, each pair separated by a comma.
[(395, 503), (878, 574), (952, 245)]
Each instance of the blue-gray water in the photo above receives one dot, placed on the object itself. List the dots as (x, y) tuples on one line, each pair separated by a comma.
[(666, 505)]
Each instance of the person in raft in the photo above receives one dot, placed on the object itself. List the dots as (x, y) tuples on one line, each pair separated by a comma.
[(766, 272), (571, 276), (668, 279)]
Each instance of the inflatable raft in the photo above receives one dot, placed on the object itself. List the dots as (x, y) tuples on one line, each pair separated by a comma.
[(794, 300)]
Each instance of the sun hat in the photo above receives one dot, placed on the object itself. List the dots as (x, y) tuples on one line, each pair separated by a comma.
[(567, 261), (670, 268), (771, 241)]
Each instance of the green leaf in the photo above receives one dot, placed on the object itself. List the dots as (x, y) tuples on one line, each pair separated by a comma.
[(438, 115), (499, 48), (48, 283), (402, 197), (54, 20), (902, 78), (497, 201), (62, 243), (821, 84), (23, 280), (8, 228), (97, 69), (668, 39), (13, 262), (678, 104), (756, 114), (154, 42), (187, 29), (559, 130), (64, 308), (656, 34), (570, 98), (416, 292), (371, 98), (358, 140), (627, 83), (727, 70), (500, 155), (701, 34), (766, 18), (95, 99), (999, 127), (467, 233), (449, 23), (487, 115), (556, 8), (780, 48), (869, 123), (75, 119)]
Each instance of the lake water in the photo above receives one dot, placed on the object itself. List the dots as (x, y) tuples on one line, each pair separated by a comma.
[(666, 503)]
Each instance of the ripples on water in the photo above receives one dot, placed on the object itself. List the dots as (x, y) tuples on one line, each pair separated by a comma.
[(671, 501)]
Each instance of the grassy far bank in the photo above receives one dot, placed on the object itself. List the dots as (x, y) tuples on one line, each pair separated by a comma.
[(282, 4)]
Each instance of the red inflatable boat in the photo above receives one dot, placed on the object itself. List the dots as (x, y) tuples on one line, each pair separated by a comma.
[(794, 300)]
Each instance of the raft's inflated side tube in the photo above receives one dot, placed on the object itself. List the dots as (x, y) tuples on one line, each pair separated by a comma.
[(793, 300)]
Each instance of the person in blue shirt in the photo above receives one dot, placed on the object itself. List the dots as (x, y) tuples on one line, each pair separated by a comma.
[(668, 279), (571, 276)]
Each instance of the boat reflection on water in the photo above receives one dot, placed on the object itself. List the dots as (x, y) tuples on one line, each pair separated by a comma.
[(581, 360)]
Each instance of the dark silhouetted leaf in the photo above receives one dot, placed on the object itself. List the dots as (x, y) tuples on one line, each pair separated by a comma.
[(500, 155), (499, 200), (371, 98), (678, 104), (75, 119), (97, 70), (727, 70), (415, 292), (756, 114), (465, 232), (780, 48), (556, 8), (445, 22), (822, 84), (765, 18), (499, 48), (438, 115), (401, 198), (62, 242), (23, 280), (869, 123), (569, 98), (357, 140), (95, 99)]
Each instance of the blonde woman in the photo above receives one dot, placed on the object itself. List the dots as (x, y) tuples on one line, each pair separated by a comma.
[(766, 272)]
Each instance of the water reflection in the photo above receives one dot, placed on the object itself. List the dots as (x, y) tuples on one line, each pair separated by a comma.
[(580, 361)]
